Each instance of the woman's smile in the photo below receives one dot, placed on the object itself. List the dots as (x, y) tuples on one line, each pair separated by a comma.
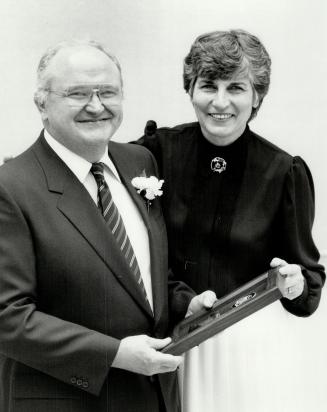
[(220, 116)]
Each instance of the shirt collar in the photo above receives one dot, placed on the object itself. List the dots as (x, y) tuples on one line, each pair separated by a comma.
[(110, 165), (77, 164)]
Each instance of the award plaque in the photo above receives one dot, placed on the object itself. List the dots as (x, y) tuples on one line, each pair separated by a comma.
[(242, 302)]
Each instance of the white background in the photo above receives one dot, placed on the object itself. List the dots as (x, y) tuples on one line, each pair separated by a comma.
[(151, 38)]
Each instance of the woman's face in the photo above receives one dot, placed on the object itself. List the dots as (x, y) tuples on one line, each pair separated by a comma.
[(223, 107)]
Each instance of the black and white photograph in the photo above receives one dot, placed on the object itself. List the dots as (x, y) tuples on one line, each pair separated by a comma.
[(163, 206)]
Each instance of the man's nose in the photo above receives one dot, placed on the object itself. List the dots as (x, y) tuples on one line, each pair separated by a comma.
[(94, 105)]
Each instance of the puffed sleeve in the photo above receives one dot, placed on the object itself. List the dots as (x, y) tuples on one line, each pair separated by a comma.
[(152, 141), (297, 245)]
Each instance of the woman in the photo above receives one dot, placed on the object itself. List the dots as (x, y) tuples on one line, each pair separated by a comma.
[(234, 203)]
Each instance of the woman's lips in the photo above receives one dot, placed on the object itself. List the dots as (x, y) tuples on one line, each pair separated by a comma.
[(220, 116)]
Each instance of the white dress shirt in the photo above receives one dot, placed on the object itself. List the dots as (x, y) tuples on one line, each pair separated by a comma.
[(135, 227)]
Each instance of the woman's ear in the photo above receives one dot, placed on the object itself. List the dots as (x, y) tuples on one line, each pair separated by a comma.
[(255, 102)]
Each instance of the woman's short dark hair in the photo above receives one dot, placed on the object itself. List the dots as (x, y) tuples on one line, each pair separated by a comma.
[(224, 54)]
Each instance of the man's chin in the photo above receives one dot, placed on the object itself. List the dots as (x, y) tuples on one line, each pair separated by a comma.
[(99, 130), (96, 135)]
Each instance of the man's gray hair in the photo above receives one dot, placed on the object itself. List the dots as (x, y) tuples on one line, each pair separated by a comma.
[(43, 80)]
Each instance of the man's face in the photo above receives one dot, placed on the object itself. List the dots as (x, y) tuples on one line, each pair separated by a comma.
[(84, 127)]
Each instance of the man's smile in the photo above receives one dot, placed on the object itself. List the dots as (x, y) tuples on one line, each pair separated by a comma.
[(94, 121)]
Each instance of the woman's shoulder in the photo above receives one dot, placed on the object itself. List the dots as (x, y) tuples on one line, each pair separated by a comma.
[(167, 140), (179, 131), (265, 153), (267, 147)]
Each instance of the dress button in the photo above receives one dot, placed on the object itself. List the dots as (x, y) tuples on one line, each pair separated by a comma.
[(73, 380), (85, 384), (79, 382)]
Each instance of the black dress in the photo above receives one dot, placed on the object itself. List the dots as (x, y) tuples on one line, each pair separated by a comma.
[(210, 216), (224, 228)]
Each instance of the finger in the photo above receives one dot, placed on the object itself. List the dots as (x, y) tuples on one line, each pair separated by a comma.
[(277, 262), (290, 270), (158, 343), (170, 368), (291, 289), (171, 359), (294, 291), (209, 298), (168, 362)]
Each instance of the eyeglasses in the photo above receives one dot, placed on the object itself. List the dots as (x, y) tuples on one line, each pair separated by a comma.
[(81, 95)]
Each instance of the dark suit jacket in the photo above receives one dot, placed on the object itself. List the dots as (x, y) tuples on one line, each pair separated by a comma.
[(67, 296), (272, 215)]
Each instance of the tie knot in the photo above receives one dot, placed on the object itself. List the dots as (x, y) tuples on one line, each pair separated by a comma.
[(97, 171)]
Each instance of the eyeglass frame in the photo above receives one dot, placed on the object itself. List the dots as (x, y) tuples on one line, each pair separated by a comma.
[(96, 89)]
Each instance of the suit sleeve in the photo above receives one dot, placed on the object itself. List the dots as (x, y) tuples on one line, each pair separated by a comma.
[(61, 349), (296, 240)]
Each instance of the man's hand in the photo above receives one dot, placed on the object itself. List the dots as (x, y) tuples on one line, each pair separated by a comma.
[(139, 354), (203, 301), (290, 280)]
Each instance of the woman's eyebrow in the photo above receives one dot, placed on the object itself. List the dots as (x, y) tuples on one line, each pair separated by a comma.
[(238, 82), (203, 80)]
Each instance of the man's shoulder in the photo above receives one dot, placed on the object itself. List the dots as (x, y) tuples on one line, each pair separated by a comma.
[(129, 150), (22, 169), (18, 164)]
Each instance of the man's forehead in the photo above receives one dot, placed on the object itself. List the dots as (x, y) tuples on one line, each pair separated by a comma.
[(82, 61), (81, 56)]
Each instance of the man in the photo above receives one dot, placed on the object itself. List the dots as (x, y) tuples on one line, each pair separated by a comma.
[(84, 302)]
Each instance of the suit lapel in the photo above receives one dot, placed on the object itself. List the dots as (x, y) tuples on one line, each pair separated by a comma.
[(127, 172), (78, 207)]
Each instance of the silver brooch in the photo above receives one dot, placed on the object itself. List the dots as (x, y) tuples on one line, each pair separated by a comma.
[(218, 164)]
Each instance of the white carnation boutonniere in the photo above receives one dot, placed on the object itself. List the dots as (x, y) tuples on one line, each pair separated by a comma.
[(148, 187)]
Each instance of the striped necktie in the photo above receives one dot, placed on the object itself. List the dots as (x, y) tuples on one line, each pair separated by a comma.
[(115, 223)]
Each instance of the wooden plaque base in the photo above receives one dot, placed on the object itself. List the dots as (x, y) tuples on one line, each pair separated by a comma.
[(228, 310)]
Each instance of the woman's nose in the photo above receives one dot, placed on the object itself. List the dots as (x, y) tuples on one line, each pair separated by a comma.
[(220, 99)]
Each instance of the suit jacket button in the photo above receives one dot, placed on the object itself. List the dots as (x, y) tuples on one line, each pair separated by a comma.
[(73, 380), (79, 382), (85, 384)]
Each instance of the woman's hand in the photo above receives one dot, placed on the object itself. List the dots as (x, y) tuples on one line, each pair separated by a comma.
[(290, 280), (203, 301)]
